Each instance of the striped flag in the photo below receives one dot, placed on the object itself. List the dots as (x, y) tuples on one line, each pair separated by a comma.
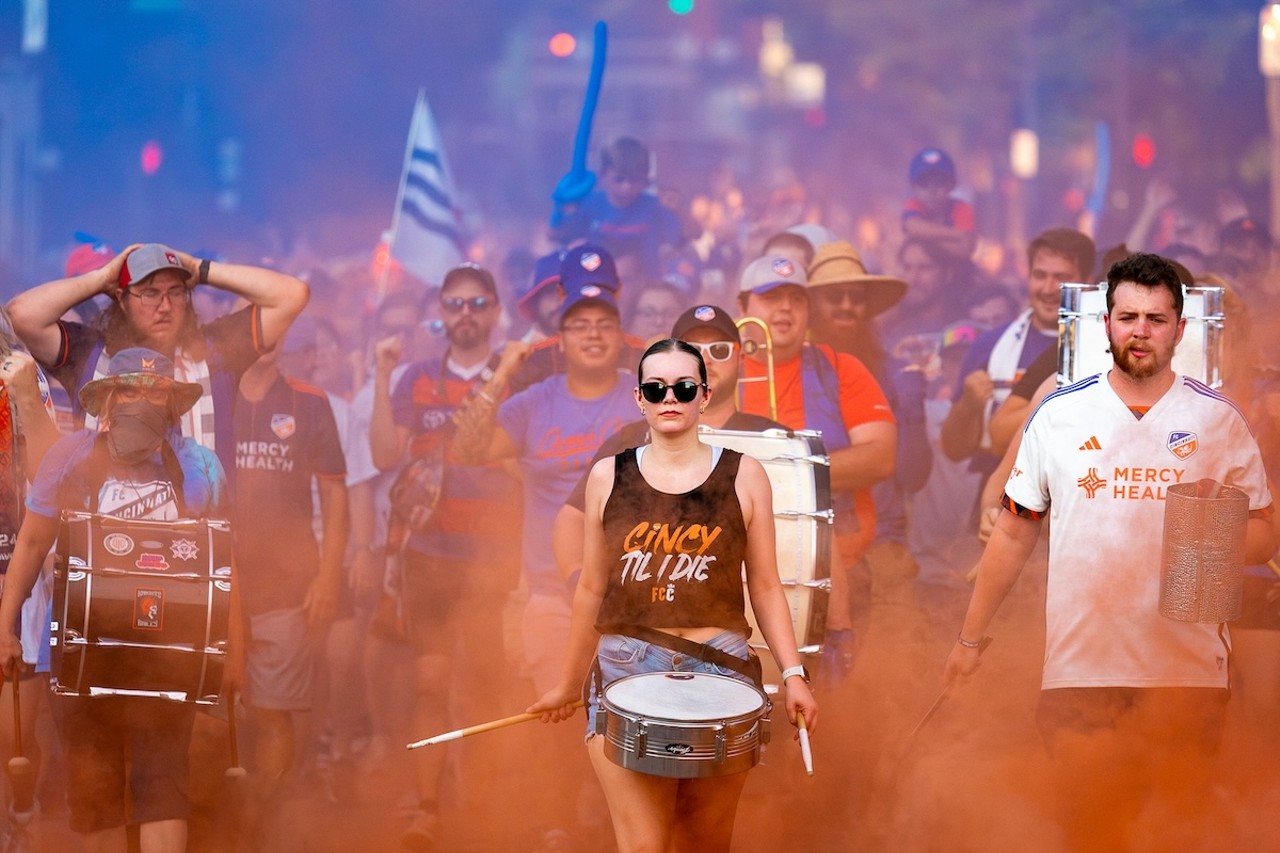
[(426, 234)]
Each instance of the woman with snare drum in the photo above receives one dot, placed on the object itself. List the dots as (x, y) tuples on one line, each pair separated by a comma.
[(668, 529)]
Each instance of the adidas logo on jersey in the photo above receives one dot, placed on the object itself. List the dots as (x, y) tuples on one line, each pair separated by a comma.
[(1091, 444)]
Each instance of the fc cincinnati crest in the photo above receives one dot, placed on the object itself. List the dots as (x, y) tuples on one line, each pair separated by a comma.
[(1183, 444), (590, 261), (589, 291), (784, 267), (283, 425), (704, 313)]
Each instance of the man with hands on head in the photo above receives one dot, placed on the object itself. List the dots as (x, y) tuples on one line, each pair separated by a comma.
[(150, 286)]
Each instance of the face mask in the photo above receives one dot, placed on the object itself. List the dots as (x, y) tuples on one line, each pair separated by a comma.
[(137, 429)]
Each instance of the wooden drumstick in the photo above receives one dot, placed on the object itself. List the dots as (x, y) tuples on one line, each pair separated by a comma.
[(479, 728), (805, 752), (235, 771), (21, 776)]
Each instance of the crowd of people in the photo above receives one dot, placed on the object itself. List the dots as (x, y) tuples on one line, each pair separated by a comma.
[(457, 499)]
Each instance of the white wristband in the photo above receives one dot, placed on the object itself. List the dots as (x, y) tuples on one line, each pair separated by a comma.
[(793, 670)]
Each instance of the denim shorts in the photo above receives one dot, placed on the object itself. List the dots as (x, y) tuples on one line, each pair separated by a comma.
[(620, 656)]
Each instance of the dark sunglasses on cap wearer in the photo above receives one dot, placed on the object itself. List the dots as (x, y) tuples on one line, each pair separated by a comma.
[(685, 390), (455, 304), (715, 351)]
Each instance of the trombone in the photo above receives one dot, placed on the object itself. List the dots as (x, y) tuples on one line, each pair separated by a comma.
[(750, 346)]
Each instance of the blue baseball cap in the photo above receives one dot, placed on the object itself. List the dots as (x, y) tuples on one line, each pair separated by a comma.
[(929, 163), (546, 273), (588, 264)]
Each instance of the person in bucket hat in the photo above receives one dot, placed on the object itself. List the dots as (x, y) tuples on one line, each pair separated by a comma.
[(135, 466)]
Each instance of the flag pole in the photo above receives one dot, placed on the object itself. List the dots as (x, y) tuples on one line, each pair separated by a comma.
[(400, 188)]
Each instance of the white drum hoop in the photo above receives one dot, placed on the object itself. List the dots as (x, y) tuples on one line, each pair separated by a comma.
[(683, 725), (1083, 349)]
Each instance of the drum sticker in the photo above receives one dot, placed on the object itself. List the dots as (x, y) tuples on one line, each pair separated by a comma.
[(184, 549), (117, 543), (678, 748), (283, 426), (152, 562), (1183, 444), (148, 609)]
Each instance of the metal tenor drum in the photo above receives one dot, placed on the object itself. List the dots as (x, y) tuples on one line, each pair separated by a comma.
[(800, 472), (683, 725), (141, 608), (1083, 349)]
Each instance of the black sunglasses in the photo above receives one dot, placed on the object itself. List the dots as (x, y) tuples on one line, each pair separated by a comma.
[(455, 304), (655, 391)]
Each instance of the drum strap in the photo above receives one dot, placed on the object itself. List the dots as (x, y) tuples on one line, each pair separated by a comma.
[(750, 667)]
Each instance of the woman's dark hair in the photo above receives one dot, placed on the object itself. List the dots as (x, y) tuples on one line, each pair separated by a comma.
[(672, 345)]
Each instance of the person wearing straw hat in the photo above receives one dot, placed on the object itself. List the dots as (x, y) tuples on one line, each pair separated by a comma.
[(820, 389), (1132, 702), (150, 287), (136, 466), (847, 300)]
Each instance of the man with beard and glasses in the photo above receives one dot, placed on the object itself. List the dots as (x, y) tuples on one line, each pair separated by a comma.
[(136, 466), (459, 559), (150, 288), (1132, 702)]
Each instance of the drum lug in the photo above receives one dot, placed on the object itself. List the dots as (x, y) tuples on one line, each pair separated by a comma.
[(642, 739), (720, 743)]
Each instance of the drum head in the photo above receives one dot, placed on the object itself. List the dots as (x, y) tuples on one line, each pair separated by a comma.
[(683, 696)]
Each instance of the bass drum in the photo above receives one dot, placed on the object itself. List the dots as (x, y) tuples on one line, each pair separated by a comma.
[(800, 472), (1083, 349), (141, 608)]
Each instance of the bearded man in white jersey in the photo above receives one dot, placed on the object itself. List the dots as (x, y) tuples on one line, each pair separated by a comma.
[(1132, 702)]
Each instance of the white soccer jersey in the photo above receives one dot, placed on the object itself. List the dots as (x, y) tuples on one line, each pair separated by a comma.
[(1102, 474)]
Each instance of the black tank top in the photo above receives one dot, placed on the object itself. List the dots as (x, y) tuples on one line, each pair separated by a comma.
[(680, 556)]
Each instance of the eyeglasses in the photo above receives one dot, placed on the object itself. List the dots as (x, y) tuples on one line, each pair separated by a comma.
[(586, 327), (151, 298), (455, 304), (716, 350), (158, 394), (685, 390)]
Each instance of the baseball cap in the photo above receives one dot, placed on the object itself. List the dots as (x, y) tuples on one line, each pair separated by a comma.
[(546, 273), (149, 259), (706, 317), (588, 294), (764, 274), (88, 257), (588, 264), (931, 162)]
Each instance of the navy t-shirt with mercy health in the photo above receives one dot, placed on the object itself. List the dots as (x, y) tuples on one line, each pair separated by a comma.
[(282, 442)]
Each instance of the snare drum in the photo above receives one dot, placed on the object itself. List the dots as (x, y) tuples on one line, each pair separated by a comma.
[(140, 607), (1083, 348), (800, 473), (683, 725)]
